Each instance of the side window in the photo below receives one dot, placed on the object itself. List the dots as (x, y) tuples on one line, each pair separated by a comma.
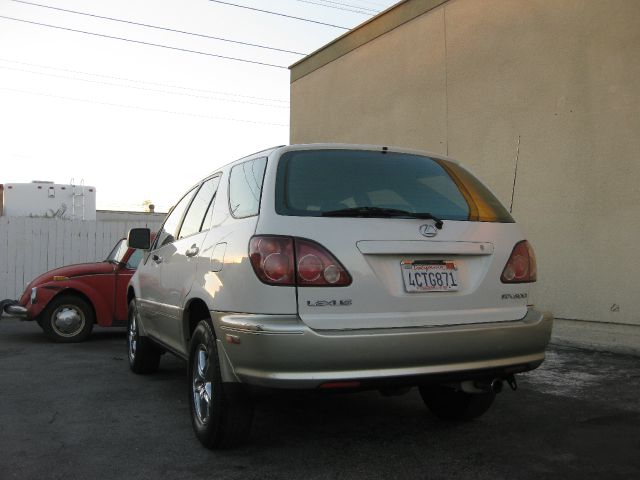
[(245, 187), (168, 230), (195, 217), (134, 259), (208, 217)]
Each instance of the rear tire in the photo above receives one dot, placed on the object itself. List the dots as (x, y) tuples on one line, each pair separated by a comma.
[(144, 356), (449, 404), (67, 319), (221, 413)]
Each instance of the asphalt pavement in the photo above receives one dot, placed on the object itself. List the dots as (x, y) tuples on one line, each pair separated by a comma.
[(77, 412)]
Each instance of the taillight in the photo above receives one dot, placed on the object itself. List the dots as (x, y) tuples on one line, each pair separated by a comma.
[(521, 266), (316, 266), (272, 259), (295, 261)]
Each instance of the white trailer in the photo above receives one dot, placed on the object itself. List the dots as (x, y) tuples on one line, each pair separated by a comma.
[(48, 200)]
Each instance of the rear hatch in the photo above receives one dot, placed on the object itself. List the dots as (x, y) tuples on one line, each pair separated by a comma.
[(442, 268)]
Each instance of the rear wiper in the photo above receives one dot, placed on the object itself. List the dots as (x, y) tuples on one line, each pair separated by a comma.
[(378, 212)]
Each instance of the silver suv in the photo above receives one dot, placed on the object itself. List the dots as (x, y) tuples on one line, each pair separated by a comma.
[(336, 267)]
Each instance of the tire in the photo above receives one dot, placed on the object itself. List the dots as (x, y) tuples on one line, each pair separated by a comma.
[(67, 319), (221, 413), (143, 355), (449, 404)]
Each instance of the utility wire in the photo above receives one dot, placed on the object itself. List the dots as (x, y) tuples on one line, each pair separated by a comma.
[(359, 12), (377, 4), (141, 88), (279, 14), (235, 59), (179, 87), (342, 6), (159, 28), (133, 107)]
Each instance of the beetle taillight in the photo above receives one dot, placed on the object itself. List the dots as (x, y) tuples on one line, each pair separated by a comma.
[(521, 266), (294, 261)]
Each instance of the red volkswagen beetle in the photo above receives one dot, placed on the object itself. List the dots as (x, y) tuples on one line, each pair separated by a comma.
[(68, 301)]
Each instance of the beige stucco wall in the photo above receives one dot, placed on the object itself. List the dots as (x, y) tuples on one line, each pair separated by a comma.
[(554, 83)]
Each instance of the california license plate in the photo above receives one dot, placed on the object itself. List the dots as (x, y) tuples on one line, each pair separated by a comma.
[(429, 276)]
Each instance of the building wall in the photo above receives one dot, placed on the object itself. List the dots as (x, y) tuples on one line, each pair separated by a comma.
[(550, 85)]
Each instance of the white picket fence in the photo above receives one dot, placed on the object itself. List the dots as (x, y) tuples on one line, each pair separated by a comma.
[(31, 246)]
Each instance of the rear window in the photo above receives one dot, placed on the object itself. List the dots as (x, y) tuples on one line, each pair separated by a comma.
[(310, 183)]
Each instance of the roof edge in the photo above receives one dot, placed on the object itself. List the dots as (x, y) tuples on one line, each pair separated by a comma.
[(373, 28)]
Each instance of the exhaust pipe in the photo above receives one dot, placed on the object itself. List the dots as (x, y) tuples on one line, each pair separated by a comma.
[(482, 386), (496, 385)]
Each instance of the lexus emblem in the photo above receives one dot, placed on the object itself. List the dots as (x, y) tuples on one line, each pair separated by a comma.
[(428, 230)]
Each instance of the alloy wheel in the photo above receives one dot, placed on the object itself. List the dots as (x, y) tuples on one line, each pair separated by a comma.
[(132, 336), (201, 386)]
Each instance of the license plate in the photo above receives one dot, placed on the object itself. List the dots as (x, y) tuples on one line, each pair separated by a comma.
[(429, 276)]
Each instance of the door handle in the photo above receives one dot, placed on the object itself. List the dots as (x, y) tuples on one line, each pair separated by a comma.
[(156, 258), (193, 251)]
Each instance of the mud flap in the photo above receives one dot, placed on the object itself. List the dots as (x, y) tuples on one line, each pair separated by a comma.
[(226, 368)]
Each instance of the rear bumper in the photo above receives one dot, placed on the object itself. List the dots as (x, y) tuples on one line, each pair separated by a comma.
[(16, 310), (282, 352), (12, 307)]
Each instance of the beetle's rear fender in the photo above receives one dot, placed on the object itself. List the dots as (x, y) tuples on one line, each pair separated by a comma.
[(103, 314)]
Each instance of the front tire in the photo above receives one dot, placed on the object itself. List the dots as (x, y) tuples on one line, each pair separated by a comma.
[(67, 319), (144, 356), (221, 413), (449, 404)]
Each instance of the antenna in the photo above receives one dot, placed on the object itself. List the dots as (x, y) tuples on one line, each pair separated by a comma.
[(515, 175)]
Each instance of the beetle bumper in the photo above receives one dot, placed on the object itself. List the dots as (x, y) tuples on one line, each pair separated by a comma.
[(12, 307)]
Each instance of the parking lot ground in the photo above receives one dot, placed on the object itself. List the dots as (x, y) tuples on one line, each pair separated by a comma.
[(76, 412)]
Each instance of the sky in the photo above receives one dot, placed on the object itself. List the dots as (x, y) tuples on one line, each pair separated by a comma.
[(144, 122)]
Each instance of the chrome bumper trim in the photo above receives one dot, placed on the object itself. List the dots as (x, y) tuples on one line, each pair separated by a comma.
[(17, 310)]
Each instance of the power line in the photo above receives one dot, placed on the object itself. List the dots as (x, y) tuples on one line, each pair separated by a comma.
[(134, 107), (235, 59), (159, 28), (360, 12), (179, 87), (279, 14), (141, 88), (377, 4), (342, 6)]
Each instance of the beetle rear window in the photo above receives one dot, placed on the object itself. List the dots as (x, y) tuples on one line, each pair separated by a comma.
[(312, 182)]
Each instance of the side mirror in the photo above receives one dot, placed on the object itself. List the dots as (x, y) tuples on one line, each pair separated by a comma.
[(139, 238)]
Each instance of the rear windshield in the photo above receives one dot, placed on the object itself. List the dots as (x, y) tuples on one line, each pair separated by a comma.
[(311, 183)]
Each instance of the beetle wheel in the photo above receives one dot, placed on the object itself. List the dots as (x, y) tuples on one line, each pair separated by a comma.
[(67, 319)]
